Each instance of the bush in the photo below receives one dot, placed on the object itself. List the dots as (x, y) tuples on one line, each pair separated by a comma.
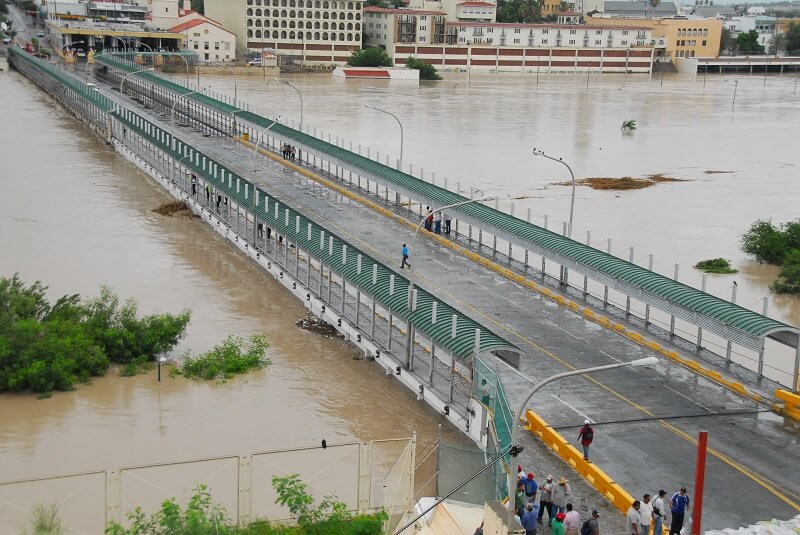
[(370, 57), (426, 70), (765, 241), (232, 357), (46, 347), (788, 281), (715, 265)]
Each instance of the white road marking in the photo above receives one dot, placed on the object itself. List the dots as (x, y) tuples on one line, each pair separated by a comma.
[(690, 399), (513, 369), (579, 413), (562, 330), (615, 359)]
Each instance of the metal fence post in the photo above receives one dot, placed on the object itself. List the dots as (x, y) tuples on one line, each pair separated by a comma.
[(628, 297), (672, 316), (730, 344)]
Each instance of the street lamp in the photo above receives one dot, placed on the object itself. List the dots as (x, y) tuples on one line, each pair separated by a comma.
[(172, 111), (122, 83), (647, 361), (258, 139), (414, 242), (298, 94), (124, 45), (572, 199), (161, 360), (235, 98), (401, 129)]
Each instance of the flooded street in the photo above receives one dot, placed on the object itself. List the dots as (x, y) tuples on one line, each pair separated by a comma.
[(75, 216)]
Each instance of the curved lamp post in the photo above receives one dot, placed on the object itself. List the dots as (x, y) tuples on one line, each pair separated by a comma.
[(412, 278), (647, 361), (124, 44), (572, 199), (122, 82), (235, 92), (401, 129), (258, 139), (172, 111), (284, 82)]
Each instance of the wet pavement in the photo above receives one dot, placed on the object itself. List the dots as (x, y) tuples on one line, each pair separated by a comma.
[(640, 450)]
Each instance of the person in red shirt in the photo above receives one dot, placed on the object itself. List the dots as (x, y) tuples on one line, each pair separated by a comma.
[(586, 436)]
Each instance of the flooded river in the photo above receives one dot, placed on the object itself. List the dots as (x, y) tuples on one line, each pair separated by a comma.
[(75, 215)]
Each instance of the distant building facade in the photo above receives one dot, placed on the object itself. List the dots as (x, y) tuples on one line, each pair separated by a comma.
[(684, 38), (206, 37), (459, 10), (308, 31)]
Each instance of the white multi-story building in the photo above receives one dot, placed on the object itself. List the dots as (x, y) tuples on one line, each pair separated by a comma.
[(164, 13), (458, 10), (385, 27), (765, 26), (310, 31), (547, 35), (206, 37)]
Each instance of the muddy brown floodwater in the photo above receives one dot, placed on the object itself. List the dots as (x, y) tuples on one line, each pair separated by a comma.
[(75, 216)]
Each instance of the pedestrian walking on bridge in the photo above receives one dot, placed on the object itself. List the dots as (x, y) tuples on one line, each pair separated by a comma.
[(530, 518), (546, 498), (405, 258), (560, 494), (659, 512)]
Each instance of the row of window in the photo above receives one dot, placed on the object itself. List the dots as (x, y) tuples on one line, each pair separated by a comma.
[(308, 3), (207, 45), (685, 53), (489, 40), (685, 32), (693, 42), (307, 36), (478, 30), (305, 15), (311, 25)]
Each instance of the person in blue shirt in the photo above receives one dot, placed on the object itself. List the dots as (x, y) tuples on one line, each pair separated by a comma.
[(678, 503), (531, 487), (530, 518), (405, 258)]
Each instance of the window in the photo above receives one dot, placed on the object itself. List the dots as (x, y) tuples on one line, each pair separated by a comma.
[(216, 45), (624, 32), (598, 32), (227, 45), (517, 30), (598, 42), (544, 32), (205, 46), (572, 32), (544, 41), (516, 41), (704, 43), (196, 45), (624, 43), (196, 34), (572, 41), (422, 28), (423, 17)]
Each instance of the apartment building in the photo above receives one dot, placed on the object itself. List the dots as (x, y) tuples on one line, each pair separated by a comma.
[(459, 10), (684, 38), (206, 37), (307, 31), (385, 27)]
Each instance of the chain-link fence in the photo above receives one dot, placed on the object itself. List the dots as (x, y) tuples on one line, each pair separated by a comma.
[(457, 462)]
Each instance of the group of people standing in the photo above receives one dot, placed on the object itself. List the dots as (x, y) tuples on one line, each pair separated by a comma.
[(643, 514), (533, 500), (288, 152), (433, 222)]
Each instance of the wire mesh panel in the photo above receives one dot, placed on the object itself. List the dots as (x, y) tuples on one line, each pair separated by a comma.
[(148, 486), (426, 473), (329, 471), (456, 463), (80, 501)]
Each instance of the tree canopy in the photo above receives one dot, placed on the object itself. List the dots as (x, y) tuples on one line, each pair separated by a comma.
[(525, 11), (792, 37), (748, 43), (46, 347), (779, 245), (370, 57)]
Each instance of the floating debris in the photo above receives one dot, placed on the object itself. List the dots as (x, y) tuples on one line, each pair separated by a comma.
[(622, 183), (316, 325), (715, 172), (174, 209)]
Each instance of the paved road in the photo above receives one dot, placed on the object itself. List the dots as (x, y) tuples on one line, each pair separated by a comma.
[(645, 420)]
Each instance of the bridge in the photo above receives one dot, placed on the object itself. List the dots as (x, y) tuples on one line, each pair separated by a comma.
[(749, 64)]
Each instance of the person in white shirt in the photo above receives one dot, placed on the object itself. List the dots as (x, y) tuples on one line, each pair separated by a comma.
[(659, 512), (634, 521), (646, 514), (572, 522)]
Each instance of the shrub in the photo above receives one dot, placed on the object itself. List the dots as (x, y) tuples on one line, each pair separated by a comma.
[(765, 241), (45, 521), (715, 265), (233, 356), (788, 280), (370, 57), (46, 347), (426, 70)]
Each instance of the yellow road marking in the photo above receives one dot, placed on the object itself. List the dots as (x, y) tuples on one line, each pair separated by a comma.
[(758, 479)]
